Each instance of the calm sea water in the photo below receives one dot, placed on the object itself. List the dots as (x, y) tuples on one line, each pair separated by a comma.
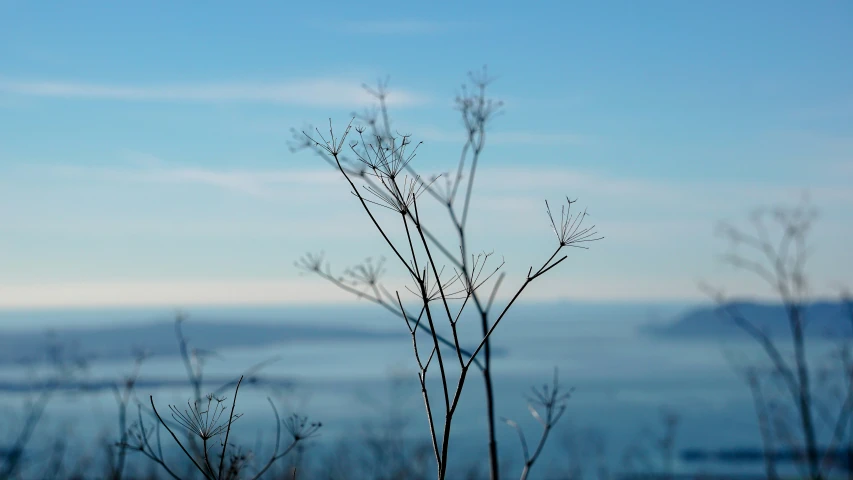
[(621, 379)]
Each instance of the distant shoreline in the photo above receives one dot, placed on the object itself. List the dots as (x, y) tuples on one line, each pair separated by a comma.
[(159, 339), (824, 319), (94, 386)]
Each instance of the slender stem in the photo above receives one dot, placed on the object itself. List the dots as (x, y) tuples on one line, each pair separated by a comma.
[(529, 463), (438, 457), (494, 291), (162, 464), (409, 318), (527, 282), (228, 430), (432, 238), (411, 244), (437, 349), (458, 178), (207, 459), (192, 459), (448, 420), (470, 189), (440, 287), (494, 466), (13, 460), (370, 214)]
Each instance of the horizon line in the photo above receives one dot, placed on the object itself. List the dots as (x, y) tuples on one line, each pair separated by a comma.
[(357, 303)]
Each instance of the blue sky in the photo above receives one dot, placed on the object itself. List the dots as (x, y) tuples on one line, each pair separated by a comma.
[(144, 157)]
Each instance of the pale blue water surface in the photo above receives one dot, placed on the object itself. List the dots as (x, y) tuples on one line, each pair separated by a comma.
[(621, 378)]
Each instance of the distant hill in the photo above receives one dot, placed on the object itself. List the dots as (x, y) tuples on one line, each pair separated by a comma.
[(840, 457), (117, 342), (823, 319)]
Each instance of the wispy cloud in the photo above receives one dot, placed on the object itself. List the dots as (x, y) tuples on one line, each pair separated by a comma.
[(257, 183), (301, 291), (400, 27), (505, 137), (658, 233), (322, 92), (504, 186), (537, 138), (675, 195), (169, 293)]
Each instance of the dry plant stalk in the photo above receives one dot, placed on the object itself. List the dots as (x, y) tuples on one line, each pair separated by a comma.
[(203, 422), (380, 162), (660, 457), (65, 367), (552, 401), (763, 406), (781, 264), (122, 392), (207, 423)]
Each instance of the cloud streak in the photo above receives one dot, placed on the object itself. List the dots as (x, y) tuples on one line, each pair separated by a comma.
[(658, 233), (323, 92), (506, 137), (502, 185), (169, 293), (256, 183), (711, 194), (302, 291), (399, 27)]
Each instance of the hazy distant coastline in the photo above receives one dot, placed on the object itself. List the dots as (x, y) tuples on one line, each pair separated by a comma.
[(116, 342), (823, 319)]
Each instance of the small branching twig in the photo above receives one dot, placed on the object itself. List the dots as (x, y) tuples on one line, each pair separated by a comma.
[(386, 161), (122, 395), (781, 264), (547, 406), (384, 166), (64, 367), (638, 451), (206, 421)]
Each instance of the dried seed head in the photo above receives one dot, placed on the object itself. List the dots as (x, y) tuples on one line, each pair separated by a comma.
[(397, 195), (453, 287), (204, 419), (476, 109), (311, 262), (385, 157), (299, 427), (550, 398), (477, 269), (569, 233), (333, 146), (367, 273)]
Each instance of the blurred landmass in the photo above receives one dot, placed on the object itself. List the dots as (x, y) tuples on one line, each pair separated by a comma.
[(118, 342), (823, 319)]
